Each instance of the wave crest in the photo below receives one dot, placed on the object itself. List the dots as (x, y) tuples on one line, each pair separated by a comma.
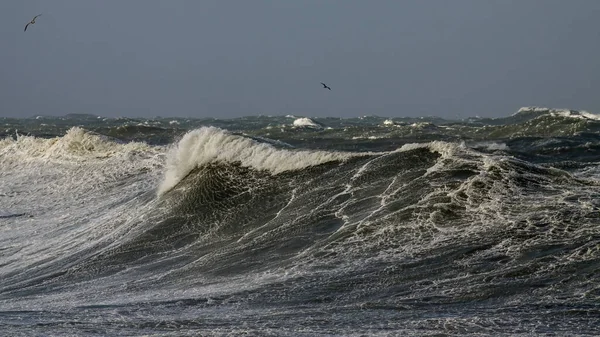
[(76, 144), (209, 144)]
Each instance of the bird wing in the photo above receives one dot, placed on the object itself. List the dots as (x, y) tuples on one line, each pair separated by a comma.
[(35, 17), (324, 85), (27, 25)]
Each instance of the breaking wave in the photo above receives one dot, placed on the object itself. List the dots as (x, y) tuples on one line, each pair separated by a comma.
[(437, 236), (206, 145), (76, 144)]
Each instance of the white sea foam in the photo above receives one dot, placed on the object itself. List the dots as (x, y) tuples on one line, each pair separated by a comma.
[(371, 137), (423, 125), (561, 112), (76, 144), (575, 114), (306, 122), (210, 144), (491, 146), (73, 192), (446, 149), (532, 109)]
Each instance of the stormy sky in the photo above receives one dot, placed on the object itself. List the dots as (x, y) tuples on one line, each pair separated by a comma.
[(229, 58)]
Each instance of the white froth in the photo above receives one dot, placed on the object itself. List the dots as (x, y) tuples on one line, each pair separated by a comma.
[(576, 114), (422, 125), (443, 148), (76, 144), (210, 144), (561, 112), (306, 122), (73, 192), (532, 109), (590, 115), (492, 146)]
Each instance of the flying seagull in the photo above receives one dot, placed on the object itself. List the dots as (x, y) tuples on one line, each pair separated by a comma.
[(32, 22), (325, 86)]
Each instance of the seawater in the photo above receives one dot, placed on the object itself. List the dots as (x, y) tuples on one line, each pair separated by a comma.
[(337, 227)]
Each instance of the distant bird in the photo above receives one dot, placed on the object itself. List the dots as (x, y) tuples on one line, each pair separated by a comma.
[(32, 22), (325, 86)]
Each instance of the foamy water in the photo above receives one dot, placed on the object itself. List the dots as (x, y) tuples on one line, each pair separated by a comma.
[(481, 237)]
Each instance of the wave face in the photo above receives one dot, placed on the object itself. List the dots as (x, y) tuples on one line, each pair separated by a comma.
[(207, 145), (225, 234)]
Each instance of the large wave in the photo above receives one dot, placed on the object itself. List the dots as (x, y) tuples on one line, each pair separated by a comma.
[(238, 223), (210, 144)]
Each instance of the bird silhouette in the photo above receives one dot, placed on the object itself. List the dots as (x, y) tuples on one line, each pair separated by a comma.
[(32, 22), (325, 86)]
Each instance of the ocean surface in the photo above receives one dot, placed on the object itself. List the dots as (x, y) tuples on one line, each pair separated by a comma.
[(294, 226)]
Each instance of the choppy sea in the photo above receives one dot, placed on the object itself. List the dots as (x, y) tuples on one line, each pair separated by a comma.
[(295, 226)]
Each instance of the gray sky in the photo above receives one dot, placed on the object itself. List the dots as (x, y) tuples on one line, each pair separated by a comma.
[(228, 58)]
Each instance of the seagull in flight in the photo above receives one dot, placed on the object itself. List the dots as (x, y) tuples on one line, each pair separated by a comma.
[(32, 22), (325, 86)]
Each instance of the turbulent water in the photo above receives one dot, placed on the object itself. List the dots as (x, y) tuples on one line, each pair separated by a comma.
[(289, 226)]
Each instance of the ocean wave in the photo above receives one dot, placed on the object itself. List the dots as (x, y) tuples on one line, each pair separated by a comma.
[(577, 114), (210, 144), (491, 146), (250, 227), (76, 144), (305, 122)]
